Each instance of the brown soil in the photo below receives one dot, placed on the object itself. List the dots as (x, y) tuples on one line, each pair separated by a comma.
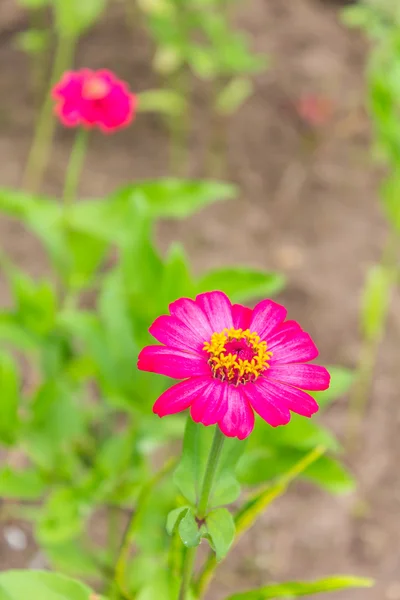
[(314, 216)]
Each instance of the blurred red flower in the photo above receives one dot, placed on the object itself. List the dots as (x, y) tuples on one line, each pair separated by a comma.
[(94, 99)]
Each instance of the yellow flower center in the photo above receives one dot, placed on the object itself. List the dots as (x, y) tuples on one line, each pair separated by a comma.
[(237, 355), (95, 88)]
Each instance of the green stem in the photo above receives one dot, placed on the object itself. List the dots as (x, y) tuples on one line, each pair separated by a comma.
[(44, 132), (202, 507), (187, 571), (74, 169), (212, 464), (127, 539)]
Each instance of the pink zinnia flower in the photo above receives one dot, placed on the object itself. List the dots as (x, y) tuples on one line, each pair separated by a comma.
[(234, 361), (94, 99)]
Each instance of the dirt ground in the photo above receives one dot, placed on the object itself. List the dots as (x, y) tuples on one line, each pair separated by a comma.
[(313, 216)]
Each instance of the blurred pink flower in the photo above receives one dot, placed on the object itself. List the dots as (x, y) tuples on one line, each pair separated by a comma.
[(315, 110), (94, 99), (234, 361)]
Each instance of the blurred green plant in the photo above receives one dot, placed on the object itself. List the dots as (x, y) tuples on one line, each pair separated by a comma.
[(71, 20), (195, 37), (380, 20), (74, 403)]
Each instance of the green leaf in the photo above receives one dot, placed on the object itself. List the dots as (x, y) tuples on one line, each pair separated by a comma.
[(241, 283), (233, 95), (221, 531), (9, 386), (189, 530), (74, 16), (174, 198), (62, 517), (190, 471), (390, 194), (341, 381), (34, 41), (72, 558), (174, 518), (165, 102), (20, 585), (376, 300), (27, 485), (260, 466), (303, 588), (176, 279)]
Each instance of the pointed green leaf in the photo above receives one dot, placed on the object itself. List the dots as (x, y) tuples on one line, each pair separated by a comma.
[(9, 386), (303, 588), (189, 530), (220, 527), (241, 283), (174, 518), (341, 381), (27, 484), (21, 585), (175, 199)]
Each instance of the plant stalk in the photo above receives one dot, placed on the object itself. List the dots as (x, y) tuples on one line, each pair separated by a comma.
[(202, 507), (44, 132)]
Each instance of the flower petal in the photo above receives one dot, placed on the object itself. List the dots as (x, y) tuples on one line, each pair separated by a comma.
[(172, 332), (217, 308), (192, 316), (268, 406), (293, 348), (307, 377), (267, 316), (241, 316), (294, 399), (211, 405), (180, 396), (171, 362), (238, 420), (280, 333)]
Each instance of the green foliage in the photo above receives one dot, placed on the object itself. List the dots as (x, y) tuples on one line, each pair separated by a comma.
[(190, 472), (220, 528), (16, 585), (376, 301), (295, 589), (74, 17)]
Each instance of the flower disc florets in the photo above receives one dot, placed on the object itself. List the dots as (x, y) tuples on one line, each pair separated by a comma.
[(237, 355)]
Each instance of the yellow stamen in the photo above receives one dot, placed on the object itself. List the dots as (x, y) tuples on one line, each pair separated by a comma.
[(227, 365)]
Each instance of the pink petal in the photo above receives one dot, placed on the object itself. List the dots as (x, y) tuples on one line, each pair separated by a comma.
[(282, 332), (293, 348), (171, 362), (279, 394), (267, 316), (211, 405), (192, 316), (217, 308), (172, 332), (307, 377), (268, 406), (241, 316), (238, 420), (180, 396)]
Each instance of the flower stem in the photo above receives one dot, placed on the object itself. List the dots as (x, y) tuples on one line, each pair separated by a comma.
[(202, 507), (74, 169), (212, 464), (43, 137), (187, 571)]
